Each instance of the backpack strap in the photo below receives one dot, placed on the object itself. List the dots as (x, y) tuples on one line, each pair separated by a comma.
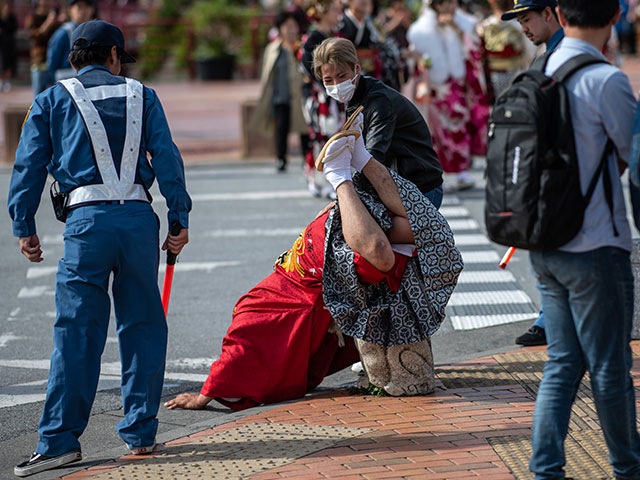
[(574, 64), (603, 167)]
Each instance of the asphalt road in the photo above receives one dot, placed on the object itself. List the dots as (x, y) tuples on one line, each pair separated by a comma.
[(243, 217)]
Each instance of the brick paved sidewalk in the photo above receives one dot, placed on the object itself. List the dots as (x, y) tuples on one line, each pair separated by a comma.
[(476, 425)]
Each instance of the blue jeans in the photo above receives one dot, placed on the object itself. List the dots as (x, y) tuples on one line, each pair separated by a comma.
[(40, 80), (435, 196), (588, 303)]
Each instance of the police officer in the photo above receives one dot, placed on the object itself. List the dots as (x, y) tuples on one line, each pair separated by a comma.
[(93, 134), (80, 11)]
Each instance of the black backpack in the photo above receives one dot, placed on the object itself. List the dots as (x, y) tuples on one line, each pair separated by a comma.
[(533, 196)]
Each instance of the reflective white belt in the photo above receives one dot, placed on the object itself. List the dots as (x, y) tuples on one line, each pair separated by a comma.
[(113, 187)]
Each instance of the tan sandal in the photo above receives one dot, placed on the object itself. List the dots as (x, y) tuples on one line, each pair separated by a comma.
[(344, 132)]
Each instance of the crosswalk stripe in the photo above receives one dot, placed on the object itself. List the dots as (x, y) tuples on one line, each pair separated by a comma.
[(480, 256), (491, 297), (463, 224), (256, 232), (470, 322), (277, 195), (23, 393), (36, 291), (451, 212), (486, 276), (474, 239), (38, 272)]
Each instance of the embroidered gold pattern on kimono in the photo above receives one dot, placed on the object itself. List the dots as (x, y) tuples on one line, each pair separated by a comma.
[(290, 260)]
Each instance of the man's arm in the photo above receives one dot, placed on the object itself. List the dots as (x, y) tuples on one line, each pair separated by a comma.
[(380, 123), (29, 171), (168, 167), (617, 108)]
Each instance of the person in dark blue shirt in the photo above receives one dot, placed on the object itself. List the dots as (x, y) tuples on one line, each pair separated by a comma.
[(540, 24), (93, 134), (80, 11)]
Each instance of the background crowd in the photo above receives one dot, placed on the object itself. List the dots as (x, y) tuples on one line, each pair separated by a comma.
[(451, 58)]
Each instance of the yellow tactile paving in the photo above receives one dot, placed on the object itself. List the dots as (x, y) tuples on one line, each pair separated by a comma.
[(235, 453), (477, 423), (515, 452)]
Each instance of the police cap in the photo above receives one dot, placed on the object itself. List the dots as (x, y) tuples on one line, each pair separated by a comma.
[(98, 33), (521, 6)]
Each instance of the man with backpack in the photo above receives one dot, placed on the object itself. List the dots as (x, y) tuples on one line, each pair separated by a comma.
[(540, 24), (587, 283)]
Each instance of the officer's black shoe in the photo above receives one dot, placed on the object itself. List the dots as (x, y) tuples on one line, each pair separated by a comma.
[(39, 463), (532, 337), (281, 164)]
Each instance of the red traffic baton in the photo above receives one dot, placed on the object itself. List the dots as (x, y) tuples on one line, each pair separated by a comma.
[(168, 274), (507, 257)]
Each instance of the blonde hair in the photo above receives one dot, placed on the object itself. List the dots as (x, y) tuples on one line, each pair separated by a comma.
[(339, 52)]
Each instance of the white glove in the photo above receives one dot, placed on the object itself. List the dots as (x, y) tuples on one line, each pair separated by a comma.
[(360, 154), (337, 161)]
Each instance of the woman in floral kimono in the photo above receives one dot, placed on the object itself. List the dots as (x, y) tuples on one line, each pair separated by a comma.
[(459, 111), (323, 114)]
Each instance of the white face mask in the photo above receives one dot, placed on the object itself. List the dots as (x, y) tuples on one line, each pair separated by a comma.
[(343, 92)]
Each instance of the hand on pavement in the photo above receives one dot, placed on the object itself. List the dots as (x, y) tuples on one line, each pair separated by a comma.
[(188, 401), (176, 244), (30, 248)]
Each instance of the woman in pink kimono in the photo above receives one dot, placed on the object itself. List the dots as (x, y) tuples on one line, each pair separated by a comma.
[(451, 53)]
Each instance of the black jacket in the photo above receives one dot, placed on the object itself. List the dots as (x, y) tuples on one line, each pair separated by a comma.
[(396, 134)]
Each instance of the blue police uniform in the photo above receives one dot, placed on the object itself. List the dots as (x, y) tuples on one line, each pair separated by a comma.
[(58, 52), (92, 133)]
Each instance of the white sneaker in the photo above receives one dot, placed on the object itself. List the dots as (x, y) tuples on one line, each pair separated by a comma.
[(357, 367), (465, 181), (142, 450)]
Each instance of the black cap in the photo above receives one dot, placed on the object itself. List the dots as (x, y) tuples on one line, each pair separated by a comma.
[(521, 6), (98, 33)]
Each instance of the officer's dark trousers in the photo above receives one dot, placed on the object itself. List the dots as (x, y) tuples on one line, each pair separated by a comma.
[(99, 241)]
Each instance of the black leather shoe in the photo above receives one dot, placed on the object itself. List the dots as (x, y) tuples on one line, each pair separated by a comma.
[(281, 165), (532, 337)]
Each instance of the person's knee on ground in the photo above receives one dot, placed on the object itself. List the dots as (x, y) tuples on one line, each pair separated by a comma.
[(399, 370)]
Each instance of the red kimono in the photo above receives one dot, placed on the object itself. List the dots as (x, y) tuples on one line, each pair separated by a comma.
[(277, 347)]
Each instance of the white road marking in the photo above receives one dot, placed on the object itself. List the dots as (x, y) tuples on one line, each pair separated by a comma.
[(199, 266), (37, 291), (52, 240), (218, 172), (254, 232), (486, 276), (474, 239), (451, 212), (8, 337), (37, 272), (14, 312), (450, 199), (470, 322), (20, 394), (194, 363), (463, 224), (491, 297), (480, 256), (235, 196)]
